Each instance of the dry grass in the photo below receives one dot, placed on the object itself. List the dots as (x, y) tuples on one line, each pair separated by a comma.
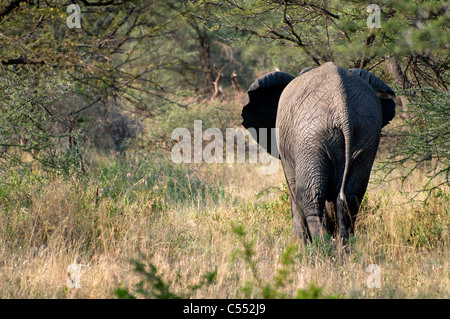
[(46, 226)]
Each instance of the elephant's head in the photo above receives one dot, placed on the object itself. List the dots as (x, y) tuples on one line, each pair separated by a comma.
[(260, 109)]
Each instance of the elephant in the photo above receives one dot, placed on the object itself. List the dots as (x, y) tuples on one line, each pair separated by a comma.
[(328, 120)]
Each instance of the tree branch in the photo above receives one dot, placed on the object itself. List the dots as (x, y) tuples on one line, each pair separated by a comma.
[(22, 61), (84, 108)]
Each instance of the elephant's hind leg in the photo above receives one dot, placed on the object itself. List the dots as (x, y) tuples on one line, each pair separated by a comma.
[(312, 197), (330, 217), (300, 228), (355, 189)]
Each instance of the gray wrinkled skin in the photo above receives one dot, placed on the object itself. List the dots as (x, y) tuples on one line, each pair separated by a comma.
[(329, 123)]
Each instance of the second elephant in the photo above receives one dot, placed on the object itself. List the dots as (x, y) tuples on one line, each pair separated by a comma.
[(329, 122)]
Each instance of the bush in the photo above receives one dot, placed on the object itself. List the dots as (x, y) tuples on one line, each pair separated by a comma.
[(423, 140), (153, 285), (123, 179), (213, 114), (84, 210), (276, 287)]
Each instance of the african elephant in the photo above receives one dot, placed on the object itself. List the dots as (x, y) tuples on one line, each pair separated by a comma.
[(329, 122)]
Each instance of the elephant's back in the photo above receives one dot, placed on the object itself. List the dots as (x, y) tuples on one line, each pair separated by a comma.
[(318, 105), (327, 94), (309, 97)]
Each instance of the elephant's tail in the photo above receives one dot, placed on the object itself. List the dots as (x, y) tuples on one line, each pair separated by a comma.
[(347, 131), (341, 202)]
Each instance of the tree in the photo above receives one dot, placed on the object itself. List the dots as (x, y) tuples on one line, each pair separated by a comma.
[(423, 140), (333, 31), (53, 75)]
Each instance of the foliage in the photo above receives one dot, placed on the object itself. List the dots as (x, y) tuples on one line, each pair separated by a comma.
[(27, 124), (159, 289), (53, 76), (273, 289), (101, 56), (174, 184), (153, 285), (107, 216), (212, 114), (423, 139), (94, 205), (330, 31), (133, 61)]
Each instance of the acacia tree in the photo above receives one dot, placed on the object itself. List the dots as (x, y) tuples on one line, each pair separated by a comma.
[(426, 140), (52, 75), (205, 57), (413, 33)]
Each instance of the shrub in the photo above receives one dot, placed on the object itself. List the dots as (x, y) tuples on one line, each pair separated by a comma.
[(423, 140)]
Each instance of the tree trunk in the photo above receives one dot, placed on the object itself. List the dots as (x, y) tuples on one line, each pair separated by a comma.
[(217, 89), (204, 53), (235, 82), (400, 78)]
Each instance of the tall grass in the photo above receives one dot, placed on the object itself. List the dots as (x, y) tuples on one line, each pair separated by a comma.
[(181, 221)]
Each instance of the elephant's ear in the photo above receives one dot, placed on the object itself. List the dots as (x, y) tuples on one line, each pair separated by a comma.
[(385, 94), (260, 109)]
